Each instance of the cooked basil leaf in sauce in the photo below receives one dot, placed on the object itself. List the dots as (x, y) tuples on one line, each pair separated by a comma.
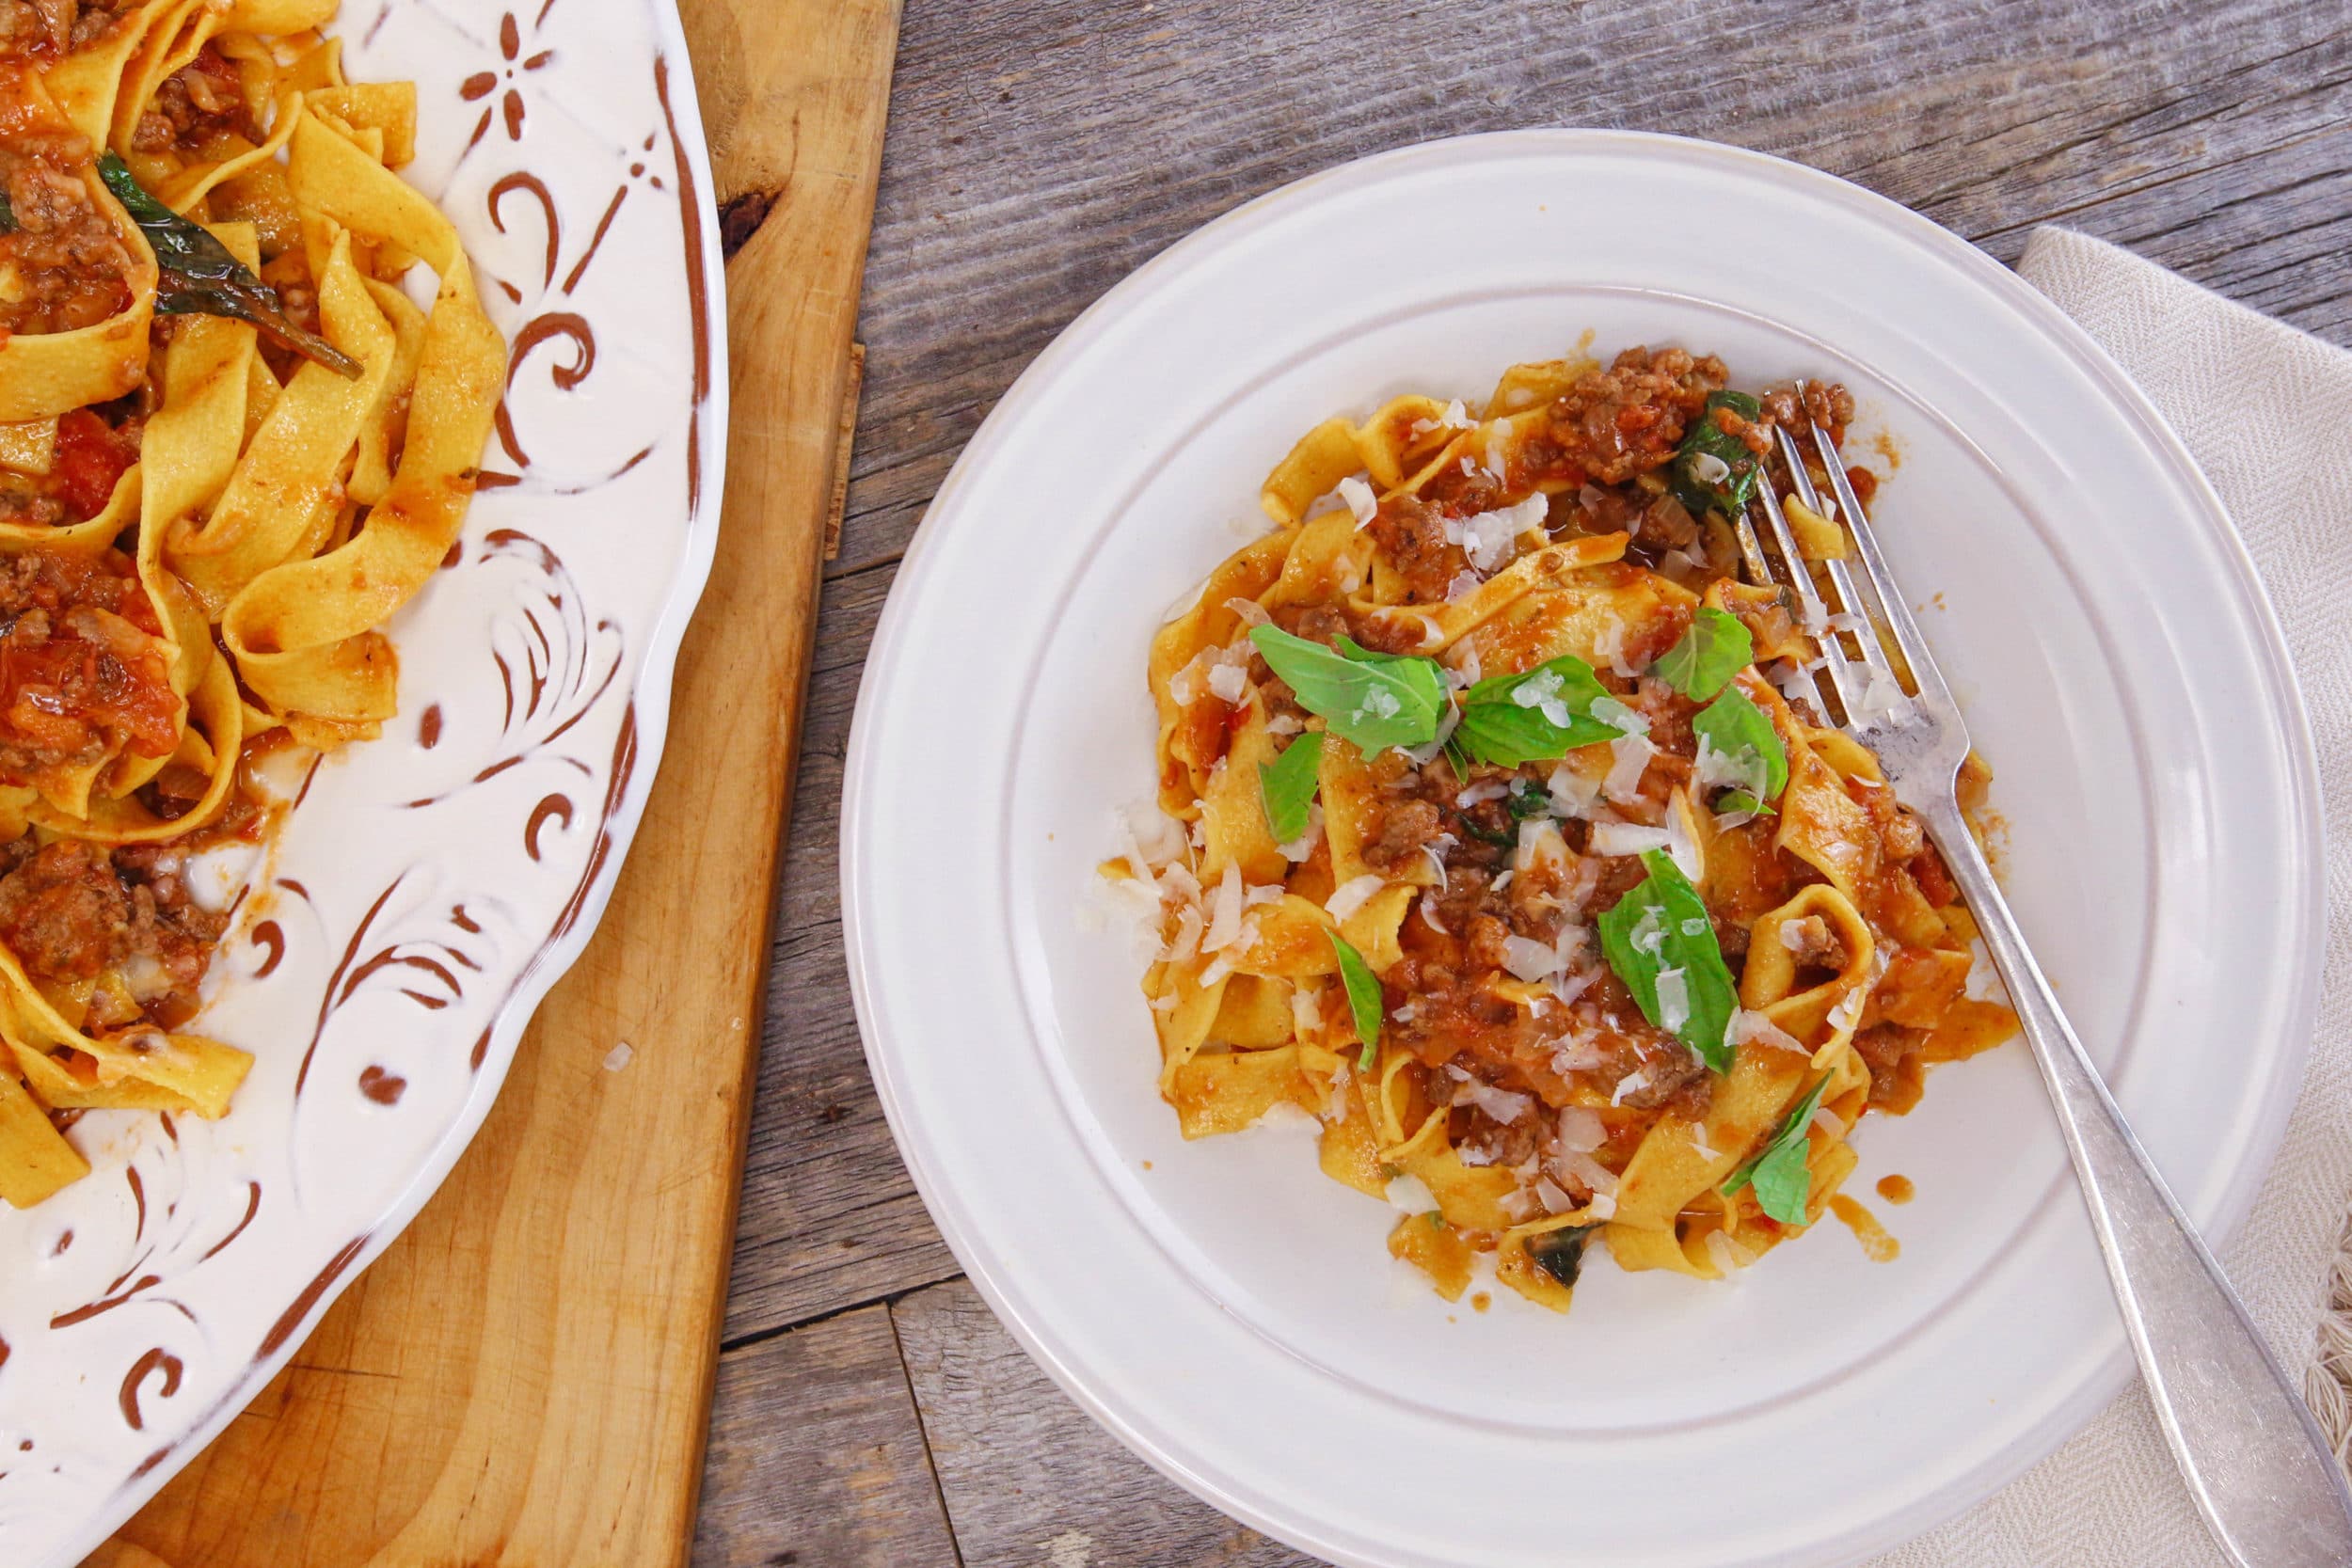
[(1704, 658), (1374, 701), (1560, 1253), (196, 274), (1661, 941), (1713, 469)]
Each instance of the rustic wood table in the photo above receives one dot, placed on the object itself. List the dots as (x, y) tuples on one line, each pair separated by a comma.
[(869, 1409)]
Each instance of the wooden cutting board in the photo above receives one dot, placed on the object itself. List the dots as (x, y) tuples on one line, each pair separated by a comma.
[(524, 1378)]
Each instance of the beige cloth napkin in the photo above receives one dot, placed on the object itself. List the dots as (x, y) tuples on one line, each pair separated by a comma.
[(2265, 409)]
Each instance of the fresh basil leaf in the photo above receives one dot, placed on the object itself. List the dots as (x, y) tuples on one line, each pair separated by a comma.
[(1778, 1171), (1734, 729), (1714, 471), (1539, 715), (1374, 701), (1560, 1253), (1287, 786), (1363, 997), (1660, 928), (1457, 759), (8, 215), (1705, 658), (1732, 801), (198, 276)]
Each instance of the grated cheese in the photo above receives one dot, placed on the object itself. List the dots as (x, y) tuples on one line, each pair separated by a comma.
[(1353, 895)]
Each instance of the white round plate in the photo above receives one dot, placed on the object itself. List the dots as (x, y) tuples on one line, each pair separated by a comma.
[(1231, 1314), (435, 882)]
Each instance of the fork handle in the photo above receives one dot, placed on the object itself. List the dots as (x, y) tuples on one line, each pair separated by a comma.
[(2257, 1465)]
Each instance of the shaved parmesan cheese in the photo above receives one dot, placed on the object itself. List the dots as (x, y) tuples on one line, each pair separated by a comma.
[(1352, 896), (1680, 844), (1628, 838), (1229, 684), (1573, 792), (1494, 452), (1674, 999), (1568, 988), (1530, 960), (1829, 1122), (1359, 500), (1709, 469), (1181, 689), (1550, 1195), (1540, 844), (1581, 1169), (1849, 1009), (1252, 613), (1463, 669), (1500, 1105), (1503, 882), (1882, 697), (1303, 846), (1728, 1255), (1186, 941), (1753, 1027), (1166, 1003), (1429, 918), (1462, 587), (1307, 1008), (1224, 913), (1487, 789), (1580, 1129), (1410, 1194), (1632, 1083), (1632, 754), (1609, 645), (1615, 714), (1604, 1206), (1284, 723), (1265, 893), (1487, 538)]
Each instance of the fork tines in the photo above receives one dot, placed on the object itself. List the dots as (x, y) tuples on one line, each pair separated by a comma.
[(1870, 682)]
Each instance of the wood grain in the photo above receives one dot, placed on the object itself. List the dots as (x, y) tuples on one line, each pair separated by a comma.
[(1028, 1476), (1037, 152), (1039, 149), (845, 1483), (524, 1377)]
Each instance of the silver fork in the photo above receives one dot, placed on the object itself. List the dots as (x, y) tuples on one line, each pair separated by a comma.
[(2257, 1465)]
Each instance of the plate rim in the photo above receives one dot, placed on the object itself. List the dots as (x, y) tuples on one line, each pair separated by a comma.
[(650, 695), (2307, 910)]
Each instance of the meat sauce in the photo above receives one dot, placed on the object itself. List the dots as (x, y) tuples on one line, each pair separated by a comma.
[(72, 912), (80, 664), (1603, 443)]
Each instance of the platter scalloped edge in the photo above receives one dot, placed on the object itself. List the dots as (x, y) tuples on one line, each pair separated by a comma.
[(436, 882)]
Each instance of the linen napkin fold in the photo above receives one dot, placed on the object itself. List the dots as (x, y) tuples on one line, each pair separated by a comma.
[(2264, 409)]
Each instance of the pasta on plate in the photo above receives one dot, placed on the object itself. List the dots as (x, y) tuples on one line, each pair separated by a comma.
[(236, 432), (1502, 829)]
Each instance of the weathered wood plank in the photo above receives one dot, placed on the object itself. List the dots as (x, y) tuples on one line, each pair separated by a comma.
[(1027, 1477), (1037, 152), (816, 1456)]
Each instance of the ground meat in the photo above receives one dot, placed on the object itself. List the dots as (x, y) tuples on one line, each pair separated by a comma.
[(1412, 533), (1406, 827), (1891, 1052), (1816, 945), (68, 261), (1826, 404), (1935, 882), (195, 106), (1628, 419), (1674, 1077), (37, 29), (81, 669), (69, 911), (1902, 835), (1483, 944)]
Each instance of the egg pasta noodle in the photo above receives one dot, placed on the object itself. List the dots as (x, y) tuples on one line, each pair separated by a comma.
[(1643, 935), (232, 444)]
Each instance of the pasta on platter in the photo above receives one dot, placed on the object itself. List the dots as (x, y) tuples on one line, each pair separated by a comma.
[(232, 444), (1502, 829)]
